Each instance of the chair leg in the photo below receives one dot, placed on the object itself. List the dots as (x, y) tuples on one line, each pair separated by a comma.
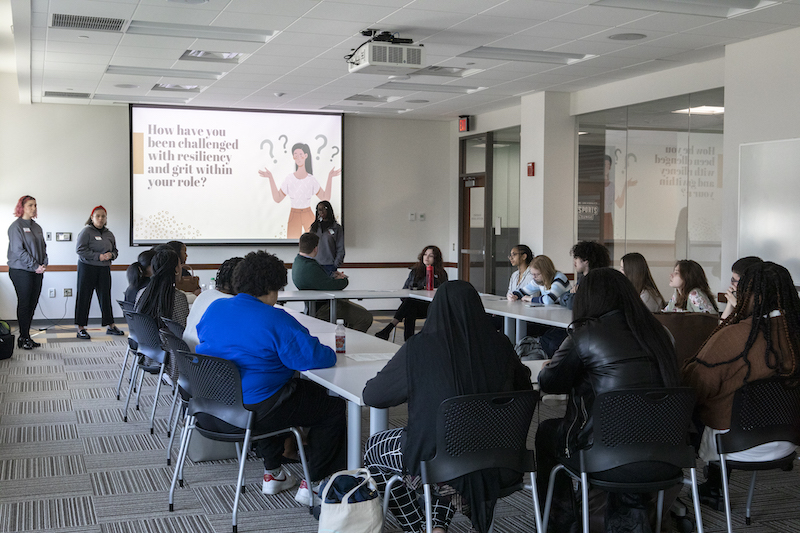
[(389, 484), (155, 397), (172, 409), (242, 461), (659, 510), (696, 500), (725, 489), (130, 391), (585, 501), (139, 389), (549, 500), (239, 453), (750, 498), (122, 370), (536, 507), (180, 414), (428, 509), (301, 450), (188, 426)]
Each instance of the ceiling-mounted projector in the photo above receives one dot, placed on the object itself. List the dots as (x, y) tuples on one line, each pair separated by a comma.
[(386, 58)]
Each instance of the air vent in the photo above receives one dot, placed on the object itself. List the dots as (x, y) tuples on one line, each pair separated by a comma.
[(81, 22), (60, 94)]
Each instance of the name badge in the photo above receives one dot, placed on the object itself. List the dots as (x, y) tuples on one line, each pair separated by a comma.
[(330, 230), (26, 230), (98, 238)]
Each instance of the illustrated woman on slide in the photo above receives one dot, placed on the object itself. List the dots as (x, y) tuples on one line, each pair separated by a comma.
[(300, 186)]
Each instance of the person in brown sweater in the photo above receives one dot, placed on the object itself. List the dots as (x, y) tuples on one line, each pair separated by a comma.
[(760, 339)]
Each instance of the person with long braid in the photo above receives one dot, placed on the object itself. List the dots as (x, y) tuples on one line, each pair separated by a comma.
[(759, 340)]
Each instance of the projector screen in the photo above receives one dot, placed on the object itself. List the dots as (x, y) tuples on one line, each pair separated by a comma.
[(221, 176)]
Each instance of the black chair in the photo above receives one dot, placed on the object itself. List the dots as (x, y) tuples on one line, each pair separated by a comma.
[(479, 431), (132, 345), (766, 410), (151, 358), (173, 344), (216, 391), (636, 426)]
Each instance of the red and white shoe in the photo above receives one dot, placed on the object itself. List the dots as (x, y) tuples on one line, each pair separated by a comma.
[(274, 485), (303, 495)]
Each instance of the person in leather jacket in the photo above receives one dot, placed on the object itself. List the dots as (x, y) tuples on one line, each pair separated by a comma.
[(614, 343)]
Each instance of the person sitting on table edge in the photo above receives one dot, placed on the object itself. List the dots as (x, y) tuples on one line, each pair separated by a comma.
[(586, 256), (308, 275), (269, 346)]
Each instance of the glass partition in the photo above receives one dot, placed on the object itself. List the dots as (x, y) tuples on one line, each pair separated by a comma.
[(650, 181)]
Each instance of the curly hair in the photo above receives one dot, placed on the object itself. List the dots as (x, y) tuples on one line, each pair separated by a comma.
[(594, 253), (766, 287), (224, 279), (438, 263), (259, 273), (694, 278)]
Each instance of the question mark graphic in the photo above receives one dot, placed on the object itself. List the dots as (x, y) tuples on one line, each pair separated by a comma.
[(628, 159), (335, 150), (285, 140), (616, 155), (204, 182), (267, 141), (324, 143)]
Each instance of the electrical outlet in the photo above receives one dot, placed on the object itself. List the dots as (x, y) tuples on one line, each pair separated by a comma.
[(49, 236), (51, 293), (421, 217), (67, 293), (412, 217)]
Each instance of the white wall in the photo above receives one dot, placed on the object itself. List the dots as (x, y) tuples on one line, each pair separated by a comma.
[(762, 77), (73, 157)]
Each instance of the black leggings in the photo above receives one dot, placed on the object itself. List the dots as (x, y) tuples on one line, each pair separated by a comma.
[(410, 309), (93, 278), (28, 286)]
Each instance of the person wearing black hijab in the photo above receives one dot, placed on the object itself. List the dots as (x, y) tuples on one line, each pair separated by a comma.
[(457, 352)]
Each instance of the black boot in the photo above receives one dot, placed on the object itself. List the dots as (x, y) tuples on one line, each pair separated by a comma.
[(385, 332), (711, 491)]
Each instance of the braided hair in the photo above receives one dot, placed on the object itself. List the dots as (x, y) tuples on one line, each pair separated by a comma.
[(764, 288)]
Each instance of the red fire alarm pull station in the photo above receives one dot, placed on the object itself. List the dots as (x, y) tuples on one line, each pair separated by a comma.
[(463, 123), (530, 169)]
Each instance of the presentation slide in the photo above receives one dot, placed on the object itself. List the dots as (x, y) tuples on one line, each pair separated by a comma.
[(221, 176)]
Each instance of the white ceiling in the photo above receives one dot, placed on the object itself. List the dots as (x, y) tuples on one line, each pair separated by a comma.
[(305, 61)]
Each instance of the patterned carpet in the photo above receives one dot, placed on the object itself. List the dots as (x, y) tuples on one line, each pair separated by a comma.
[(68, 463)]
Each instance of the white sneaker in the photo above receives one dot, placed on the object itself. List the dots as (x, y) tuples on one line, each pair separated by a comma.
[(167, 380), (274, 485), (303, 496)]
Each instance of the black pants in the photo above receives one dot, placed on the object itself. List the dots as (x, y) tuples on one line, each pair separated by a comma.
[(304, 403), (410, 309), (93, 278), (28, 286)]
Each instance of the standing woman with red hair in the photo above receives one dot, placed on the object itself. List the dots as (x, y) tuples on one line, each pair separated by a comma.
[(96, 248), (27, 261)]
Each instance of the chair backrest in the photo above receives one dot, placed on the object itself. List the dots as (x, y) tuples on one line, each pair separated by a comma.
[(125, 306), (216, 388), (128, 306), (147, 337), (690, 331), (175, 344), (637, 425), (174, 327), (766, 410), (479, 431)]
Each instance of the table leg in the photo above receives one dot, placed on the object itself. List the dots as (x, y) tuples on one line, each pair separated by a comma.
[(522, 329), (354, 454), (333, 310), (508, 328), (378, 420)]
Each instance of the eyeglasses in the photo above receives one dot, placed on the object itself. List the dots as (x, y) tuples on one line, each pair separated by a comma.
[(734, 281), (513, 254)]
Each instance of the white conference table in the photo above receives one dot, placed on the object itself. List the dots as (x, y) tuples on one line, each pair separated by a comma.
[(516, 312), (332, 296)]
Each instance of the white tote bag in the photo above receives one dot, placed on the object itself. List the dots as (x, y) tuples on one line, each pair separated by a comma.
[(346, 517)]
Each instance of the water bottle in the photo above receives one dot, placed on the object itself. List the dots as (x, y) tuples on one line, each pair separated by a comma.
[(213, 284), (429, 278), (339, 332)]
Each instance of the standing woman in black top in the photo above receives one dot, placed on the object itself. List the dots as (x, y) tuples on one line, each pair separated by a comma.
[(331, 238), (410, 308), (27, 261), (96, 248)]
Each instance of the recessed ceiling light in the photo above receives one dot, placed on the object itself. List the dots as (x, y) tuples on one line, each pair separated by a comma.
[(713, 8), (583, 133), (214, 57), (126, 86), (175, 87), (627, 36), (164, 29), (449, 72), (279, 94), (430, 87), (532, 56), (702, 110), (402, 77), (372, 98)]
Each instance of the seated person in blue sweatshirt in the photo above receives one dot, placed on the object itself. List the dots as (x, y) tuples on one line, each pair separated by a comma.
[(548, 283), (269, 346)]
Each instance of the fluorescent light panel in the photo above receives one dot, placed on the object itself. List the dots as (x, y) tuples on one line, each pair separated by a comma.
[(429, 87), (164, 72), (450, 72), (702, 110), (164, 29), (531, 56), (213, 57), (116, 98), (709, 8), (365, 110), (173, 87), (373, 99)]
